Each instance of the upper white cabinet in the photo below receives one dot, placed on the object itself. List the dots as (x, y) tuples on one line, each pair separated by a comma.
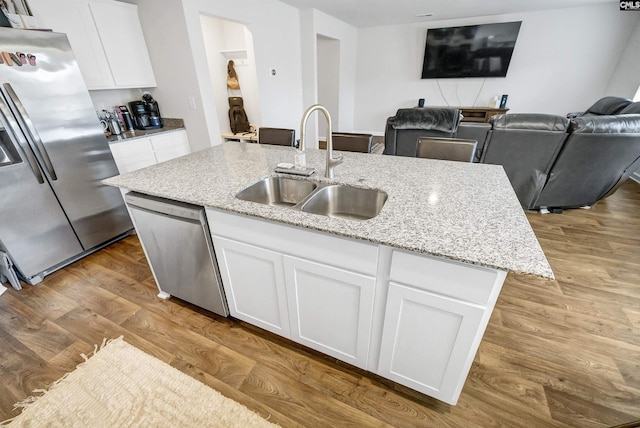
[(106, 38), (123, 44)]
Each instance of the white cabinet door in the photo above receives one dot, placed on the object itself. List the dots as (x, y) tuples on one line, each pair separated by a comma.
[(170, 145), (253, 280), (123, 41), (427, 341), (132, 154), (331, 309), (74, 18)]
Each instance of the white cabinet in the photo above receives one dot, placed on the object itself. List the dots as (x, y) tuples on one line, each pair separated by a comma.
[(253, 280), (426, 340), (137, 153), (320, 304), (106, 38), (170, 145), (132, 154), (330, 309), (123, 42), (436, 313), (415, 319)]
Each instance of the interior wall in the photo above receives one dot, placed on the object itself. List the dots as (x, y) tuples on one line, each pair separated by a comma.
[(563, 61), (626, 78), (276, 38), (163, 24), (110, 98), (328, 60)]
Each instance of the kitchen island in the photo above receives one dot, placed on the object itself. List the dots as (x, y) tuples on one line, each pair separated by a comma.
[(406, 294)]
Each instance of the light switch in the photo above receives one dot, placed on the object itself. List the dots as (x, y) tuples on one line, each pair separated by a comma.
[(192, 103)]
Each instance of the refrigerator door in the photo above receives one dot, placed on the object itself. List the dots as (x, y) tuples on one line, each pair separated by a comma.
[(35, 241), (52, 107)]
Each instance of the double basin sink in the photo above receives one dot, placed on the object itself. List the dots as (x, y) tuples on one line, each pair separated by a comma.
[(332, 200)]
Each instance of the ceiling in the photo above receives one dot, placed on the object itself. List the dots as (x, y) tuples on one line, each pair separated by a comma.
[(369, 13)]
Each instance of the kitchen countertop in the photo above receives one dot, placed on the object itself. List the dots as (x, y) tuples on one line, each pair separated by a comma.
[(460, 211), (170, 125)]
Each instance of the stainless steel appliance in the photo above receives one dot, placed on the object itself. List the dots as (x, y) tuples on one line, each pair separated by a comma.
[(53, 156), (177, 242)]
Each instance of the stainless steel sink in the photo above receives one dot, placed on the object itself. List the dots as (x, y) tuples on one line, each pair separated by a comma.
[(332, 200), (277, 191), (345, 202)]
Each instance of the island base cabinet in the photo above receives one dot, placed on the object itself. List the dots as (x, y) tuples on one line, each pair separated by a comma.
[(428, 341), (330, 309), (253, 280)]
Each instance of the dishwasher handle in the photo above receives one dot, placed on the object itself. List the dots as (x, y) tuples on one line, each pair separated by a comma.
[(179, 210)]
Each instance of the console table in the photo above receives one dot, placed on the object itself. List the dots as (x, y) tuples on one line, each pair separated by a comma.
[(480, 114), (247, 137)]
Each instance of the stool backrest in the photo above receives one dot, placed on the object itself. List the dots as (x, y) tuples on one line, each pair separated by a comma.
[(453, 149)]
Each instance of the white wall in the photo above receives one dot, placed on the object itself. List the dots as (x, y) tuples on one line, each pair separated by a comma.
[(563, 61), (163, 25), (275, 28), (626, 78)]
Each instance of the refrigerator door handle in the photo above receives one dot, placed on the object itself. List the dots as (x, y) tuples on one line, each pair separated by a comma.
[(13, 130), (24, 119)]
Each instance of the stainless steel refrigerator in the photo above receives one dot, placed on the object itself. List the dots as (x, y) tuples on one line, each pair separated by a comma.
[(53, 156)]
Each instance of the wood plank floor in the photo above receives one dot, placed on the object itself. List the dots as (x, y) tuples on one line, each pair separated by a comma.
[(555, 353)]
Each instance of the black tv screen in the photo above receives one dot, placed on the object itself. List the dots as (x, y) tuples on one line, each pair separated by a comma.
[(471, 51)]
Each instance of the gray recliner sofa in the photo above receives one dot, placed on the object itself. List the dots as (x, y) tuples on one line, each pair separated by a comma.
[(600, 153), (552, 162), (526, 145)]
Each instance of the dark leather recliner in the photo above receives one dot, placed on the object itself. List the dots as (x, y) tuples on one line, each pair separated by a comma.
[(401, 136), (526, 145), (600, 153)]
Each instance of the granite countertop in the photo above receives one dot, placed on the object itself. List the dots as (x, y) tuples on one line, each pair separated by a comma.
[(459, 211), (170, 125)]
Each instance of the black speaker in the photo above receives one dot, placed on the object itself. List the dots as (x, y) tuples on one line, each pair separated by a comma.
[(421, 102), (503, 101)]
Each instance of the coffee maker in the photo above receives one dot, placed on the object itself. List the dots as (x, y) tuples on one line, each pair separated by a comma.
[(146, 113)]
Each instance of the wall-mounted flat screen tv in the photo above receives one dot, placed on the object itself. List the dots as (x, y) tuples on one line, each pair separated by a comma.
[(471, 51)]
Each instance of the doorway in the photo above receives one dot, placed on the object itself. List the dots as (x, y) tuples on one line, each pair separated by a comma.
[(328, 81), (226, 40)]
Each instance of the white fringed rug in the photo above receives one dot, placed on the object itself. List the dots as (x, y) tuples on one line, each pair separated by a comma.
[(122, 386)]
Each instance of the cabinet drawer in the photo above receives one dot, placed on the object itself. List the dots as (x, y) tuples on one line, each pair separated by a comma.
[(460, 280), (322, 247), (131, 148), (170, 141), (132, 163)]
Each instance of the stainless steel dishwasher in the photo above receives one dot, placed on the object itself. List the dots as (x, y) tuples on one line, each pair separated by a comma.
[(177, 242)]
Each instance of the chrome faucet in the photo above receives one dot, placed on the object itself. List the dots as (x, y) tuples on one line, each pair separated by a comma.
[(331, 161)]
